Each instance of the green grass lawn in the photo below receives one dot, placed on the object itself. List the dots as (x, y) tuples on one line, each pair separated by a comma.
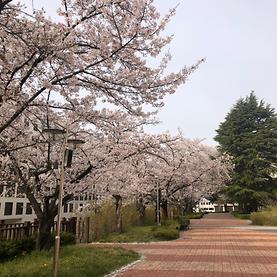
[(75, 261), (144, 234)]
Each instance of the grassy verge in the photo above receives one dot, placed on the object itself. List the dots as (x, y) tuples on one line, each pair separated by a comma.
[(240, 215), (268, 217), (75, 261), (144, 234)]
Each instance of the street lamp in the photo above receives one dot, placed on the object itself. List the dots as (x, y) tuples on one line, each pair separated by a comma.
[(158, 202), (66, 162)]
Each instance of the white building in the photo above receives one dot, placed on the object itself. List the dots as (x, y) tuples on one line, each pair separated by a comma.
[(205, 205), (15, 207)]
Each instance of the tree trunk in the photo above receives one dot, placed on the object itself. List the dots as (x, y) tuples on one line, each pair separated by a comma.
[(179, 208), (118, 211), (44, 241), (46, 217), (164, 206), (188, 207), (141, 209)]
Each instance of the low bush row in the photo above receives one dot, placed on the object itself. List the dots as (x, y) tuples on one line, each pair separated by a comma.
[(169, 230), (10, 249)]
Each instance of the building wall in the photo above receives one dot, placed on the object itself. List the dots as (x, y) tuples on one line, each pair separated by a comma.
[(15, 208), (19, 210)]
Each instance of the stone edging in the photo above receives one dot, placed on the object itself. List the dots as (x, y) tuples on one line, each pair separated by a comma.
[(124, 268)]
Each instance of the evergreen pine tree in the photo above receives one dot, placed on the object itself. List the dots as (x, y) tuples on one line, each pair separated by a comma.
[(249, 135)]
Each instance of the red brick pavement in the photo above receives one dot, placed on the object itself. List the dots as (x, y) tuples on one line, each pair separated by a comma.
[(210, 249)]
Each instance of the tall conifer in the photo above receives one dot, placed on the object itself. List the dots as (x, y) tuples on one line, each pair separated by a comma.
[(249, 135)]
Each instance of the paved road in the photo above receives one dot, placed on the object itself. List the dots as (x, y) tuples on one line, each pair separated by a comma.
[(212, 248)]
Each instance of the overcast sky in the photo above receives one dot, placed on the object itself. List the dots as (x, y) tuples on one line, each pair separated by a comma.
[(238, 38)]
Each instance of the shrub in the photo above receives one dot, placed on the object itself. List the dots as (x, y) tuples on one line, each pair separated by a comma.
[(12, 249), (183, 220), (169, 222), (240, 215), (194, 215), (165, 234), (266, 217), (66, 238)]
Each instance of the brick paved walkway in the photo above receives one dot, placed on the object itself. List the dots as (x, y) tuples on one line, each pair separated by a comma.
[(210, 249)]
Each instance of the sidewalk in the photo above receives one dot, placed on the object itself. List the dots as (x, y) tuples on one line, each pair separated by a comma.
[(218, 245)]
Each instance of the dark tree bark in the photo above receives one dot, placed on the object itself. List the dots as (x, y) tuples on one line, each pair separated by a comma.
[(188, 205), (164, 206), (46, 217), (44, 241), (141, 209), (118, 211), (3, 3)]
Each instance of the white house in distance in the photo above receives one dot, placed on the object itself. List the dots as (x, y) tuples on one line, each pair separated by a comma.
[(205, 205)]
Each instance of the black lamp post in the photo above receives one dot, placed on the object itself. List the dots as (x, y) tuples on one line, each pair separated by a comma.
[(66, 162)]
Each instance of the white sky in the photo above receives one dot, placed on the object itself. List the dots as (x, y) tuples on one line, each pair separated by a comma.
[(238, 38)]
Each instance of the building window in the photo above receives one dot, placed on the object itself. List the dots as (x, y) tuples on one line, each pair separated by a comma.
[(19, 208), (65, 208), (29, 209), (8, 208), (70, 207), (1, 189)]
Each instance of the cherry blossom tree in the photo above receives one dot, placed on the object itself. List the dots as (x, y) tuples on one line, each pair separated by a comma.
[(175, 167), (96, 53), (122, 180), (84, 72), (182, 168), (32, 164)]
